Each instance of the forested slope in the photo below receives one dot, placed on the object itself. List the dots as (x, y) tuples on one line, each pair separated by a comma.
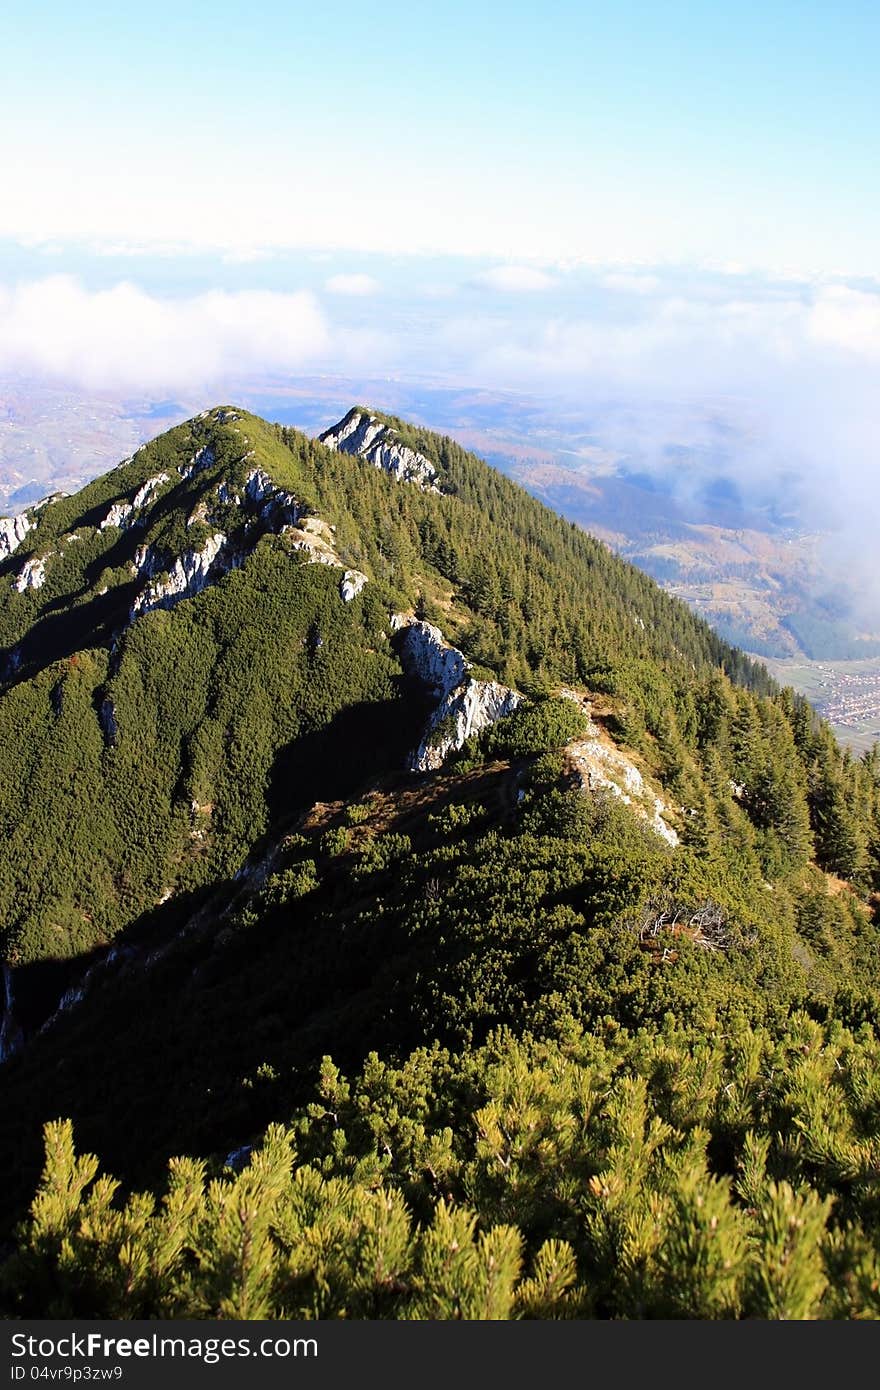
[(560, 1026)]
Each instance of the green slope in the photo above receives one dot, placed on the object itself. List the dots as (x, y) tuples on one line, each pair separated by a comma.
[(207, 697), (262, 725)]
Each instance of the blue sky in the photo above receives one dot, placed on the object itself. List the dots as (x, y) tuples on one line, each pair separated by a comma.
[(730, 134), (665, 205)]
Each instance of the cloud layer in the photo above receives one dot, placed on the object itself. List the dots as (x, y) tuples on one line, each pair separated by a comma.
[(125, 338), (357, 284), (667, 357), (514, 279)]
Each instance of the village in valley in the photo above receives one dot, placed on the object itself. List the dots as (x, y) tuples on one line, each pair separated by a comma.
[(846, 693)]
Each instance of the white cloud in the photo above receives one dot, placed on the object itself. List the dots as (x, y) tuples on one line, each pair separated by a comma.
[(673, 341), (514, 279), (793, 365), (846, 318), (123, 337), (356, 285), (126, 249), (628, 282), (777, 389), (247, 255)]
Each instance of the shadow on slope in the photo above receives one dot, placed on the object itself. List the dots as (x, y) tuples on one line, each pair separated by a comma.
[(360, 744), (162, 1050)]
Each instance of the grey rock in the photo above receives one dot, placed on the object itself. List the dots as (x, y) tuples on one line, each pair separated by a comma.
[(600, 767), (362, 434), (13, 530), (125, 514), (32, 575), (188, 575), (465, 706), (352, 584)]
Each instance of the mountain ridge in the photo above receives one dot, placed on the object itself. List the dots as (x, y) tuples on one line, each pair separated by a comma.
[(203, 481), (222, 861)]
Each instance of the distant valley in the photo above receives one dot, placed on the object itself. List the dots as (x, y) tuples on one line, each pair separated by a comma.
[(846, 693)]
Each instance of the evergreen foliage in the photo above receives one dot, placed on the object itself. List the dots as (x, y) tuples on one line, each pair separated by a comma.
[(647, 1174), (588, 1074)]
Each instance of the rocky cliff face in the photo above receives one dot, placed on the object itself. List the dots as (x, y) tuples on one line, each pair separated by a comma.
[(464, 706), (13, 530), (125, 514), (267, 509), (201, 461), (364, 435), (352, 583), (32, 576), (188, 575)]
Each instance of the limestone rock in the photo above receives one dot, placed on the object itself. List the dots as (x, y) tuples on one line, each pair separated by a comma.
[(352, 583), (13, 530), (32, 576), (203, 459), (362, 434), (464, 706), (188, 575), (602, 767), (124, 514), (117, 516)]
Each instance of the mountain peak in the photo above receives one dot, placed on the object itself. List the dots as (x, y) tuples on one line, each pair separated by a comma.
[(376, 439)]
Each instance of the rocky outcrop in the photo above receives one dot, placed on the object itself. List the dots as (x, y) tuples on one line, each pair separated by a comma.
[(203, 459), (314, 551), (363, 434), (32, 575), (13, 530), (464, 706), (227, 494), (314, 539), (600, 767), (428, 657), (268, 504), (276, 508), (118, 515), (50, 497), (270, 508), (259, 486), (125, 514), (188, 575), (148, 490), (352, 584), (145, 563), (274, 511), (263, 508), (463, 712)]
